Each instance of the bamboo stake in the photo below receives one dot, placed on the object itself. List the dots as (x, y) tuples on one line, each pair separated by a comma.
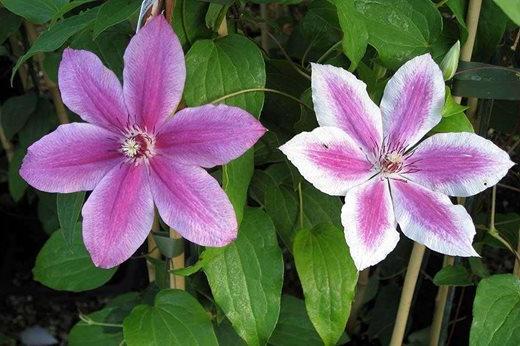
[(466, 52), (412, 273)]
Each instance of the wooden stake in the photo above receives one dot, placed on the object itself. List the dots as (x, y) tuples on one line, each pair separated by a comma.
[(412, 273)]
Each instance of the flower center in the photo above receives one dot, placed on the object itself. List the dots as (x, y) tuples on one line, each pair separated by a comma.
[(391, 162), (138, 144)]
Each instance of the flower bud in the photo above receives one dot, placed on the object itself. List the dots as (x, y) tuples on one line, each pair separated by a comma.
[(451, 61)]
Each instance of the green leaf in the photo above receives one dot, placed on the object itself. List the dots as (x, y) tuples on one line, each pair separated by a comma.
[(294, 327), (56, 35), (487, 81), (35, 11), (226, 335), (328, 277), (41, 122), (459, 11), (355, 32), (453, 275), (496, 312), (511, 8), (17, 185), (10, 24), (113, 12), (280, 204), (454, 123), (397, 29), (246, 278), (319, 207), (83, 334), (16, 111), (216, 68), (68, 268), (47, 213), (111, 45), (176, 318), (450, 106), (491, 27), (51, 64), (189, 21), (68, 7), (68, 206)]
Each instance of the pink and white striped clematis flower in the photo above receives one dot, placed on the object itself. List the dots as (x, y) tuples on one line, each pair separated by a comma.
[(132, 155), (368, 155)]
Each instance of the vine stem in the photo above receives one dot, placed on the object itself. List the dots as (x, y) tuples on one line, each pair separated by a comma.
[(274, 91), (328, 52), (287, 57), (466, 52), (410, 279), (361, 288), (91, 322)]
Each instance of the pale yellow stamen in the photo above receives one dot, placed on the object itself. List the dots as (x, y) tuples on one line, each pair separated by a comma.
[(130, 147)]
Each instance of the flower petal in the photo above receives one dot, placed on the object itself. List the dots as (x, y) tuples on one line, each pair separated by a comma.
[(209, 135), (329, 159), (91, 90), (192, 202), (368, 218), (412, 102), (154, 73), (431, 219), (457, 164), (341, 100), (118, 215), (72, 158)]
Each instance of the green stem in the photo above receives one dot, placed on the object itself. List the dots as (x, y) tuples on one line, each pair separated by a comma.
[(287, 57), (492, 230), (91, 322), (240, 92), (327, 53)]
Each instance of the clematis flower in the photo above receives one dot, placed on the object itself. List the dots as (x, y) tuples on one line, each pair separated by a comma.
[(368, 155), (132, 155)]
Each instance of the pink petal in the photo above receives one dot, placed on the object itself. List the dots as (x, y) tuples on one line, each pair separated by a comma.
[(368, 218), (154, 73), (329, 159), (209, 135), (457, 164), (72, 158), (118, 215), (192, 202), (91, 90), (431, 219), (412, 102), (341, 100)]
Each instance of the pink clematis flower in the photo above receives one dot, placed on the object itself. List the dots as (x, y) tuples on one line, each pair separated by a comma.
[(367, 154), (132, 155)]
